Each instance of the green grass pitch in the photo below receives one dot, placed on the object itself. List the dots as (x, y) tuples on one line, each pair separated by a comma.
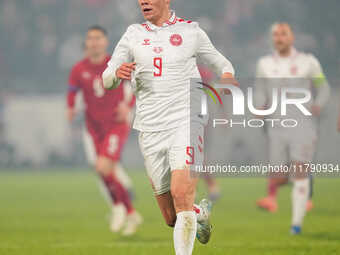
[(63, 212)]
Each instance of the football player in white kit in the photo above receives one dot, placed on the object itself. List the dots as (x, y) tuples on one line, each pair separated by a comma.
[(291, 68), (159, 57)]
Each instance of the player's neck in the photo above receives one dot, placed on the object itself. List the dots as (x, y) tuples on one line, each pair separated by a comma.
[(286, 52), (97, 60), (162, 19)]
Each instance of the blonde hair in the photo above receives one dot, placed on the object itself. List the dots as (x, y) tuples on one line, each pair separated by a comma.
[(284, 24)]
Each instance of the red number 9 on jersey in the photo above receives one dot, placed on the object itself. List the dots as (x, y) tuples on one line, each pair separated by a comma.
[(157, 62)]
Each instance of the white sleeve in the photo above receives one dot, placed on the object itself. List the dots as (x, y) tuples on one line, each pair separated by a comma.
[(260, 93), (121, 54), (319, 81), (209, 55)]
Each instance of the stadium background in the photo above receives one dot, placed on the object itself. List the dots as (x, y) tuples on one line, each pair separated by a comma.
[(49, 198), (42, 39)]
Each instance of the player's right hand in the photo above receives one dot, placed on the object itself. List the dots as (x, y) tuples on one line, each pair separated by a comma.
[(228, 78), (70, 114), (125, 70), (339, 124)]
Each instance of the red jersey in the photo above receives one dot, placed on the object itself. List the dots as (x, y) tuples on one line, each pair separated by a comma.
[(100, 103)]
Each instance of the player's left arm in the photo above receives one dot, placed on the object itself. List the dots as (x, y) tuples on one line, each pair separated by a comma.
[(211, 56), (73, 88), (338, 126), (321, 85)]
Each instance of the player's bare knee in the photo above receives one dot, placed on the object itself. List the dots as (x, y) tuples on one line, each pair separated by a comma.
[(100, 167), (104, 165), (300, 170)]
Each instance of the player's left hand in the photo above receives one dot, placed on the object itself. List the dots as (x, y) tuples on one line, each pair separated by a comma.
[(70, 113), (123, 111), (228, 78), (316, 110)]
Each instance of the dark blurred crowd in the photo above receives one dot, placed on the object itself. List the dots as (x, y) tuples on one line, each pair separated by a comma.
[(41, 39)]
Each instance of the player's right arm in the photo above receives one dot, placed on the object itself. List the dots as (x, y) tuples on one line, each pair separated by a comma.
[(120, 66), (73, 88), (211, 56)]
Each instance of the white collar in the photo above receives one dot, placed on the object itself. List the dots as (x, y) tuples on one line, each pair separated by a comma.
[(293, 53), (172, 20)]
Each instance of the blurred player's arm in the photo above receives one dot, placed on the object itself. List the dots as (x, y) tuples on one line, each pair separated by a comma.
[(260, 88), (124, 109), (120, 66), (321, 85), (73, 88), (209, 55)]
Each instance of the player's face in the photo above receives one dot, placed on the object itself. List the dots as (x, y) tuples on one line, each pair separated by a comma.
[(96, 43), (153, 10), (283, 37)]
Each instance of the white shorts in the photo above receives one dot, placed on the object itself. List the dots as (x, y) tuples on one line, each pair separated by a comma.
[(90, 149), (287, 145), (168, 150)]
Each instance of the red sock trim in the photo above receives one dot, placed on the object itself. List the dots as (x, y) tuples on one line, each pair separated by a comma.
[(196, 210)]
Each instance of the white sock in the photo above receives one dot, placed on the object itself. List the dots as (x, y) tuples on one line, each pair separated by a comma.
[(299, 198), (185, 232)]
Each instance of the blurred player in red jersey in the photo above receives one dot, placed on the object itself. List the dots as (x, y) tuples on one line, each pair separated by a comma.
[(107, 123)]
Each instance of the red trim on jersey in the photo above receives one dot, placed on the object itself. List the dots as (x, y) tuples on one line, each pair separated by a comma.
[(132, 102), (200, 139), (184, 20), (175, 19), (172, 22), (146, 26)]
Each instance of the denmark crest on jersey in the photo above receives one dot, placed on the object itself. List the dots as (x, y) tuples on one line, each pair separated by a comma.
[(176, 40)]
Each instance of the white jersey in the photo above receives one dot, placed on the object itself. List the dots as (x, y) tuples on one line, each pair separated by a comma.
[(298, 70), (165, 62)]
